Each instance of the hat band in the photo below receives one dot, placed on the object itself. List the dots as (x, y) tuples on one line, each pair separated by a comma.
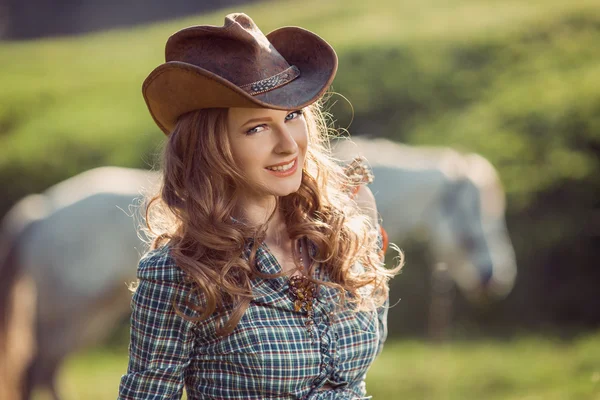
[(272, 82)]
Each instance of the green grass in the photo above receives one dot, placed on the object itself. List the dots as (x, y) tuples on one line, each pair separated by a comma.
[(531, 368)]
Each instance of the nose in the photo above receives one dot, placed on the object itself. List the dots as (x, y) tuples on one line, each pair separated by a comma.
[(486, 272), (286, 143)]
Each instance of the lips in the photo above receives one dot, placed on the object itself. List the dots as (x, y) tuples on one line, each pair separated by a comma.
[(285, 170), (282, 163)]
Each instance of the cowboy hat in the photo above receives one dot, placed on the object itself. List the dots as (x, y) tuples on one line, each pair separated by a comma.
[(236, 65)]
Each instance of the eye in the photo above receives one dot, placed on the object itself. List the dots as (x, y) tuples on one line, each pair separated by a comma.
[(259, 128), (256, 129), (294, 115)]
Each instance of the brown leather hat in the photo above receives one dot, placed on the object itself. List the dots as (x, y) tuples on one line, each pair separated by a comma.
[(236, 65)]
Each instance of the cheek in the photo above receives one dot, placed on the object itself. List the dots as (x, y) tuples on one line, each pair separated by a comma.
[(245, 161), (302, 139), (250, 157)]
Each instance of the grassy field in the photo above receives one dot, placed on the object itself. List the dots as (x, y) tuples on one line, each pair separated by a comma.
[(523, 369)]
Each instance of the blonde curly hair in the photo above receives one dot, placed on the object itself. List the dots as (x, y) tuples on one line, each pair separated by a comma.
[(193, 213)]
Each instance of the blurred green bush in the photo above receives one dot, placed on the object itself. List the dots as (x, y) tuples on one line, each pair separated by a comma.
[(518, 82)]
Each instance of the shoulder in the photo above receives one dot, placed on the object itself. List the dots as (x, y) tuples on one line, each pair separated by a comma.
[(159, 265), (161, 283)]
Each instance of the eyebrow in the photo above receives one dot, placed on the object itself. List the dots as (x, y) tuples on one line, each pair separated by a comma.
[(261, 119)]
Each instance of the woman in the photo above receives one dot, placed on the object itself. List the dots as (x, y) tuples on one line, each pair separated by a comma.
[(265, 277)]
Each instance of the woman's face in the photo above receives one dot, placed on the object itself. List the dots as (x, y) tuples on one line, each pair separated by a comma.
[(269, 146)]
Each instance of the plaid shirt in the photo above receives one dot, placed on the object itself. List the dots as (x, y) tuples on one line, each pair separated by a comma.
[(269, 355)]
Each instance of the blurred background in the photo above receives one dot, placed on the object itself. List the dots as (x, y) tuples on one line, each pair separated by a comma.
[(515, 82)]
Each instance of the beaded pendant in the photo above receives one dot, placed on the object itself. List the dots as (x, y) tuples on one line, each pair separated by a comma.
[(303, 292)]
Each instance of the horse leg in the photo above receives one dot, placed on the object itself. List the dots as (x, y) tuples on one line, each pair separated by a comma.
[(46, 376), (20, 338), (52, 388), (442, 298), (41, 376), (28, 381)]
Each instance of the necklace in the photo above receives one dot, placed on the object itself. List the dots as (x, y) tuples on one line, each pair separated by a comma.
[(303, 293)]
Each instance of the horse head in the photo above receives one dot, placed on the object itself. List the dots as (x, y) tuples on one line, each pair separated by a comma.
[(468, 230)]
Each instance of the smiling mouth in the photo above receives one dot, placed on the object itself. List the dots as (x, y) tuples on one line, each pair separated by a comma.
[(284, 167)]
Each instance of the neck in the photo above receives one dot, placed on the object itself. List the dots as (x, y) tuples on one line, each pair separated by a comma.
[(256, 213)]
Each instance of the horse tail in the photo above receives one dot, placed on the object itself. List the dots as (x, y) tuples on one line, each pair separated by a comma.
[(17, 297)]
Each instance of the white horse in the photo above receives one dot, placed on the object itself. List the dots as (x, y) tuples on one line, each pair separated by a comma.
[(79, 244), (456, 199)]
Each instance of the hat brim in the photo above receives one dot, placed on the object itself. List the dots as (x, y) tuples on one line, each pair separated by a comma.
[(175, 88)]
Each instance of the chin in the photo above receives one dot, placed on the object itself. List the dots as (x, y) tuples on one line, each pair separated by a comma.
[(287, 190), (283, 193)]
